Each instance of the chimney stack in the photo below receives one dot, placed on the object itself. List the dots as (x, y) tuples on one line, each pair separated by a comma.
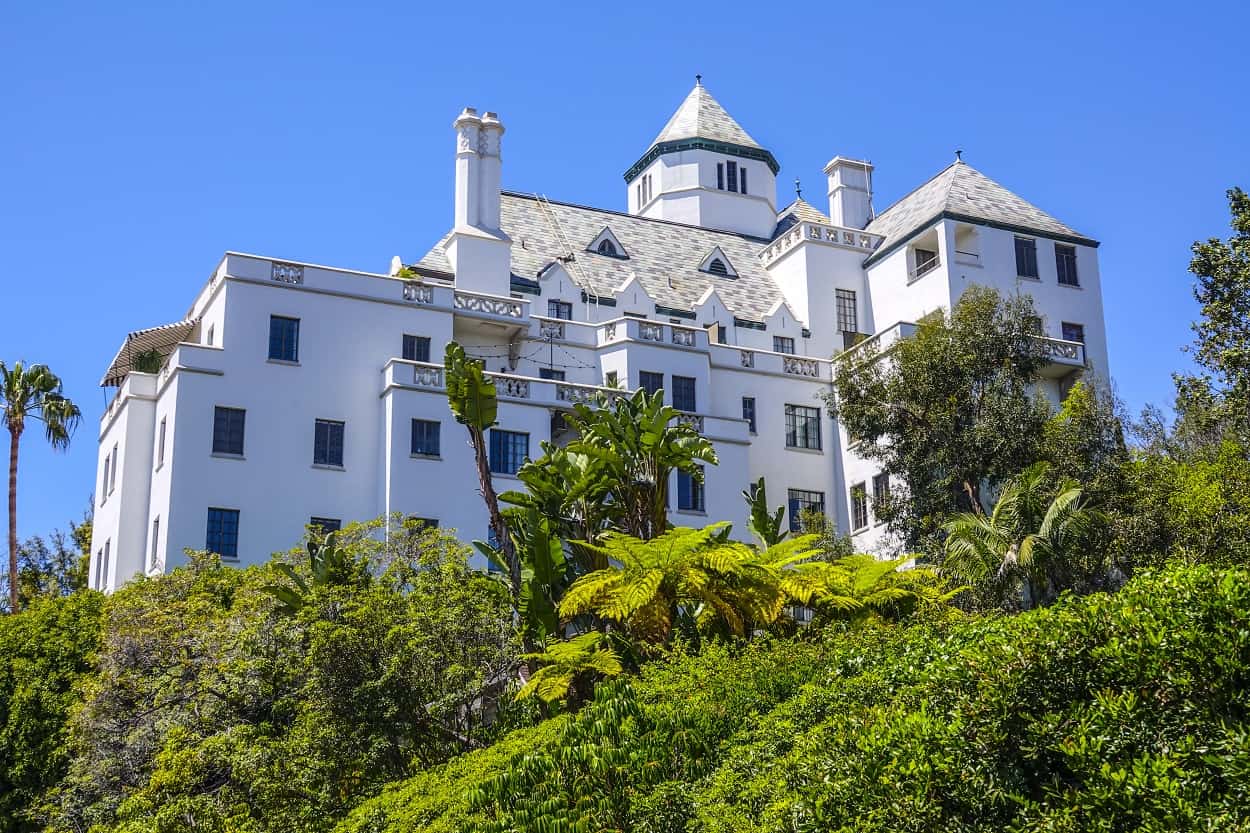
[(850, 192), (478, 249), (489, 143), (468, 167)]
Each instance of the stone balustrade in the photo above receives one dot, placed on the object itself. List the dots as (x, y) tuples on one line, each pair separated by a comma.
[(827, 235), (800, 366), (489, 305), (695, 421), (417, 293)]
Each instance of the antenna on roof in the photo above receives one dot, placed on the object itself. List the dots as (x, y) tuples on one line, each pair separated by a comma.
[(798, 189), (698, 80), (959, 156)]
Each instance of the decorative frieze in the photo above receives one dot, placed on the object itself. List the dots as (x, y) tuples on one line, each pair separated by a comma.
[(551, 329), (747, 357), (823, 234), (427, 376), (799, 366), (286, 272), (695, 421), (488, 304), (511, 387), (609, 331), (417, 293), (650, 332), (682, 337)]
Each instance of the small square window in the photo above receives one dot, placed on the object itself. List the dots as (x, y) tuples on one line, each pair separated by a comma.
[(228, 425), (223, 532), (560, 309), (1073, 332), (283, 338), (328, 443), (426, 437), (416, 348), (783, 344), (551, 374)]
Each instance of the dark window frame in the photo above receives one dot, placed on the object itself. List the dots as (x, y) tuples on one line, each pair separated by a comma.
[(650, 381), (731, 175), (223, 536), (1026, 258), (329, 439), (799, 500), (226, 430), (859, 506), (508, 450), (1065, 265), (802, 422), (691, 494), (783, 344), (326, 525), (848, 310), (415, 348), (749, 413), (1064, 329), (425, 438), (551, 374), (562, 310), (685, 396), (283, 338)]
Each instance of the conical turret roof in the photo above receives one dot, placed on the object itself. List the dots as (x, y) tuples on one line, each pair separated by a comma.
[(702, 116)]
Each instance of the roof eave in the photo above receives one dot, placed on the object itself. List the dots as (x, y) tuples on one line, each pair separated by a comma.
[(889, 249), (698, 143)]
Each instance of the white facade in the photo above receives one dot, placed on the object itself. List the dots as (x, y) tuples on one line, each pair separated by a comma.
[(714, 290)]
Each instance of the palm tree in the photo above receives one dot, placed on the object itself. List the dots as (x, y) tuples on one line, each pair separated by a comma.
[(33, 392), (1030, 536)]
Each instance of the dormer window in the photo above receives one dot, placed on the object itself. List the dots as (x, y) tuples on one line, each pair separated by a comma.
[(607, 244), (717, 267), (717, 263), (607, 247)]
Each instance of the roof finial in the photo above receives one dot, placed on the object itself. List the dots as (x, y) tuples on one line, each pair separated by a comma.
[(698, 80), (959, 156), (798, 189)]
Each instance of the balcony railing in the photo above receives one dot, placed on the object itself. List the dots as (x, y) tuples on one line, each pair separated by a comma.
[(490, 304), (925, 268)]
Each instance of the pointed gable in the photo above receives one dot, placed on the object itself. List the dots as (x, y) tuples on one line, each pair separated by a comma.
[(964, 193), (606, 244), (717, 263)]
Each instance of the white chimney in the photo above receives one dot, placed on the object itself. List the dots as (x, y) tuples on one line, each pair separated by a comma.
[(489, 144), (850, 192), (468, 167)]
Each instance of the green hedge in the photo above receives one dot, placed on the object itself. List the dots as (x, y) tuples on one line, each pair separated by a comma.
[(1105, 713)]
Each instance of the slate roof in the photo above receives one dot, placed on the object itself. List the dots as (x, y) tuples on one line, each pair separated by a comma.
[(659, 251), (963, 191), (799, 211), (701, 116)]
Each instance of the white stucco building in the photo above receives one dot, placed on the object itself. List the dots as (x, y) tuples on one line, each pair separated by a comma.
[(292, 393)]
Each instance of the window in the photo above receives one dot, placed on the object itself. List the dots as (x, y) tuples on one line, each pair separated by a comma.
[(283, 339), (416, 348), (690, 492), (104, 481), (683, 393), (802, 427), (1073, 332), (223, 532), (880, 491), (113, 470), (720, 176), (926, 261), (848, 314), (104, 565), (418, 524), (564, 309), (426, 437), (801, 500), (508, 450), (1065, 264), (859, 506), (156, 532), (748, 412), (228, 426), (160, 444), (783, 344), (1026, 257), (650, 382), (607, 247), (211, 329), (742, 180), (99, 561), (612, 379), (550, 373), (325, 525), (717, 267), (731, 174), (328, 443)]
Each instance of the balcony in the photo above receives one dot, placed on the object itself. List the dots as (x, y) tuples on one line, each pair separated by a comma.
[(924, 267), (655, 332), (825, 235), (1062, 357)]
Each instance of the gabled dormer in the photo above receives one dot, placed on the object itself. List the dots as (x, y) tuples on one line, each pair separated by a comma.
[(606, 244), (717, 263), (705, 170)]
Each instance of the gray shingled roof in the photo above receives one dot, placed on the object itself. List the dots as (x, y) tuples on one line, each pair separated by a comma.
[(799, 211), (659, 251), (701, 116), (964, 191)]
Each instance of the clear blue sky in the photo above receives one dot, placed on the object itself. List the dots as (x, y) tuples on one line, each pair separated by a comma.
[(140, 140)]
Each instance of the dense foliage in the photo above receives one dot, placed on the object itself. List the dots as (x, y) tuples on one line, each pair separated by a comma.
[(1103, 713)]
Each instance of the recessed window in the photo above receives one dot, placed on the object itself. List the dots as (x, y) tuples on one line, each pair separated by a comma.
[(113, 473), (690, 492), (683, 393), (283, 338), (859, 507), (326, 525), (223, 532), (1065, 264), (803, 501), (1073, 332), (926, 261), (731, 175), (416, 348), (211, 331), (564, 309), (551, 374), (156, 532), (742, 180), (612, 379), (650, 382), (717, 267), (848, 314), (508, 450), (720, 176), (783, 344), (104, 566), (160, 444), (426, 437), (104, 481), (607, 247), (802, 427), (228, 425), (880, 491), (1026, 257), (328, 442), (748, 412)]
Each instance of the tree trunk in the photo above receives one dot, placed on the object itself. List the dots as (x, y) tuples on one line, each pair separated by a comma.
[(497, 524), (15, 435)]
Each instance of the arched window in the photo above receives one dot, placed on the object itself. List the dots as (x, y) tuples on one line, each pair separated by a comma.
[(607, 247), (717, 267)]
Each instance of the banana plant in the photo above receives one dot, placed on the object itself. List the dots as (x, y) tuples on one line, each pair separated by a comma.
[(329, 565), (764, 525)]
